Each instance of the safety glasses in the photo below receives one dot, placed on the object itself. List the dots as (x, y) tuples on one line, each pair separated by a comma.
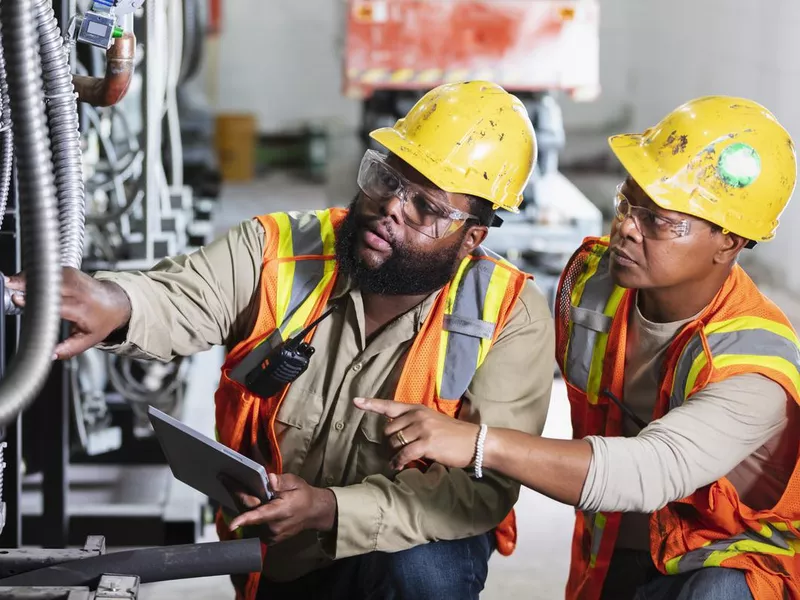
[(648, 222), (424, 210)]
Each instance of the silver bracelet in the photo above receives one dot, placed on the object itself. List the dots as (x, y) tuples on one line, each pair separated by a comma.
[(479, 451)]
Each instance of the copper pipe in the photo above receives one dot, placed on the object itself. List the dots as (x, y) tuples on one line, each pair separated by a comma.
[(109, 90)]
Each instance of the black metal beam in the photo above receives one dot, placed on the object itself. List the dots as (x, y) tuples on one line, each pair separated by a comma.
[(11, 536)]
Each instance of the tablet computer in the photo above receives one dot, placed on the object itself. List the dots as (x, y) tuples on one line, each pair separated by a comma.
[(198, 461)]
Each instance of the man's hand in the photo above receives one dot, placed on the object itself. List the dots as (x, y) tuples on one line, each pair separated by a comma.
[(295, 507), (95, 308), (419, 432)]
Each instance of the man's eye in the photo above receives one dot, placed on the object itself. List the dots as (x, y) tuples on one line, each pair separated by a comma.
[(387, 180), (425, 206)]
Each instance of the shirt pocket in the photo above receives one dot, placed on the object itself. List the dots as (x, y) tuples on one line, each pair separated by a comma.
[(295, 423), (373, 452)]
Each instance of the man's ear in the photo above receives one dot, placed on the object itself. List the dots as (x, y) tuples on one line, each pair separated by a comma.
[(473, 238), (729, 248)]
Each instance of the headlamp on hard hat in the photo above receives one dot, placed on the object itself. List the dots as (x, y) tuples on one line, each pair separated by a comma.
[(424, 210)]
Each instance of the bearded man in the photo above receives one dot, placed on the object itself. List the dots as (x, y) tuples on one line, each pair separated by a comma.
[(420, 310)]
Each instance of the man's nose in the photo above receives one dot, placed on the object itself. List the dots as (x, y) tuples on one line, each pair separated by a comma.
[(393, 207)]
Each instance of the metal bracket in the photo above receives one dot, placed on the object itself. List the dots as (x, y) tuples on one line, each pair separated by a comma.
[(118, 586), (15, 562)]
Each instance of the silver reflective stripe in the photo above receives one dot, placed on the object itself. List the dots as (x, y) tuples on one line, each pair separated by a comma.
[(590, 319), (597, 291), (461, 356), (306, 233), (472, 327), (306, 241), (759, 342), (696, 559), (598, 525)]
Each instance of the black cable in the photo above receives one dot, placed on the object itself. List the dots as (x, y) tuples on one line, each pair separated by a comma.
[(626, 410)]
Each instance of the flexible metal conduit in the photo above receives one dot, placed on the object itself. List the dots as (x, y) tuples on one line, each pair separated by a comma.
[(62, 112), (38, 210), (6, 141), (237, 557)]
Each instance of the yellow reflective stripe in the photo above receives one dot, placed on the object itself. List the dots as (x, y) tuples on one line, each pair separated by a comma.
[(577, 293), (285, 268), (492, 305), (449, 304), (302, 315), (776, 363), (597, 536), (599, 353), (715, 559), (673, 565), (740, 323), (781, 526)]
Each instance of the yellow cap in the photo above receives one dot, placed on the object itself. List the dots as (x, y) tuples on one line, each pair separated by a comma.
[(468, 138), (723, 159)]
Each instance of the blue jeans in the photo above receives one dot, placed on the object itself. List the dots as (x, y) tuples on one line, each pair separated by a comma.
[(711, 583), (435, 571)]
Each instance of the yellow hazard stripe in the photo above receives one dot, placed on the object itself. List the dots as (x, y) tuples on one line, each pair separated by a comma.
[(425, 76)]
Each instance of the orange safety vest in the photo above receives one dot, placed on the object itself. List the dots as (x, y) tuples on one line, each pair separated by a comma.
[(298, 276), (741, 331)]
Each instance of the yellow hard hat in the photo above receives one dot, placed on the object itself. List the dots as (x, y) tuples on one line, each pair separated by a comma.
[(468, 138), (723, 159)]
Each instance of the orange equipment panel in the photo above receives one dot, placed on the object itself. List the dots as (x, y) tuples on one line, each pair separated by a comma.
[(523, 45)]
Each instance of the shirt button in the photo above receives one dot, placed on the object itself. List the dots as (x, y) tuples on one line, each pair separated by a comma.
[(329, 480), (338, 426), (356, 367)]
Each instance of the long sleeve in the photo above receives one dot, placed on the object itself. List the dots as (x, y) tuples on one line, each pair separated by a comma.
[(188, 303), (511, 389), (691, 446)]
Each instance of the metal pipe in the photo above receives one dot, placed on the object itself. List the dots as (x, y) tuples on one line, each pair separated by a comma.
[(38, 211), (111, 89), (62, 113), (237, 557)]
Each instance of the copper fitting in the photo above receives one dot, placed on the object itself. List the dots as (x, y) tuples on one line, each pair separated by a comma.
[(109, 90)]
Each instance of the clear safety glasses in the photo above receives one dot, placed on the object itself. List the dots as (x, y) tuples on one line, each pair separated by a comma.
[(649, 223), (424, 210)]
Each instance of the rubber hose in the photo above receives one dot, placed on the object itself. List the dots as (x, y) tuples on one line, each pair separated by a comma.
[(237, 557), (6, 142), (62, 113), (38, 212)]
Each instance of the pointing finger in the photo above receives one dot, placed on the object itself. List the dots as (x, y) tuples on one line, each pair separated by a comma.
[(383, 407)]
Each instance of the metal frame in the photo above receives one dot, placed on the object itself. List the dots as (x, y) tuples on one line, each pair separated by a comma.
[(110, 586), (155, 509)]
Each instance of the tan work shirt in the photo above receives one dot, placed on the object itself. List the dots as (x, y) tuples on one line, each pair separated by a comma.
[(189, 303)]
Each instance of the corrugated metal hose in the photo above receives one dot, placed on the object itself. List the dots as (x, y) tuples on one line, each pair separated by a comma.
[(37, 70)]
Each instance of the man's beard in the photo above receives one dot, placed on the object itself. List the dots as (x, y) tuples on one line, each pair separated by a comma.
[(406, 272)]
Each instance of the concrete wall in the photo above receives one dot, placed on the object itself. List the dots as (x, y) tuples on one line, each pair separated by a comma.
[(281, 61)]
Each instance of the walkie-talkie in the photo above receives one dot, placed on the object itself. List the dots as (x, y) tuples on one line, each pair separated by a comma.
[(284, 364)]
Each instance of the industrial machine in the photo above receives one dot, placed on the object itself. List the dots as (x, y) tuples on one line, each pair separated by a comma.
[(396, 50), (93, 176)]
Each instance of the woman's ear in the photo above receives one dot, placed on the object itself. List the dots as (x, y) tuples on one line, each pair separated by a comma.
[(730, 246)]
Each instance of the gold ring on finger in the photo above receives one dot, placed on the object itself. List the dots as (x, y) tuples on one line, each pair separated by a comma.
[(401, 438)]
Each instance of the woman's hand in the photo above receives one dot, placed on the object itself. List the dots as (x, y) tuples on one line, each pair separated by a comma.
[(418, 432)]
